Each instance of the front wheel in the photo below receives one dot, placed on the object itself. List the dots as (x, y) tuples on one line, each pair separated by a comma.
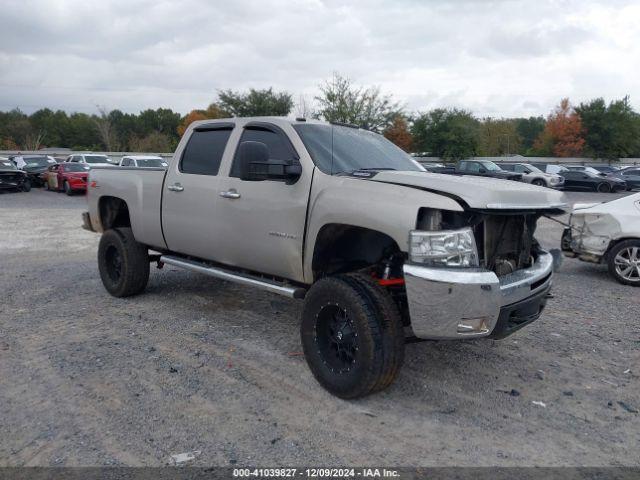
[(123, 263), (26, 186), (603, 187), (539, 182), (67, 188), (348, 347), (624, 262)]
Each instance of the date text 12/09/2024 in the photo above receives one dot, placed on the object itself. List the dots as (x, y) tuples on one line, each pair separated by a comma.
[(315, 472)]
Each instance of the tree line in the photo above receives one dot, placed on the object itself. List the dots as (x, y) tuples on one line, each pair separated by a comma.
[(593, 129)]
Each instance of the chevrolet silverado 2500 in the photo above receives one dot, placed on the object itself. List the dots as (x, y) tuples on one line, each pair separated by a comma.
[(379, 249)]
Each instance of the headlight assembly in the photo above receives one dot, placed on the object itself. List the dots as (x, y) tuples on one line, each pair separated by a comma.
[(444, 248)]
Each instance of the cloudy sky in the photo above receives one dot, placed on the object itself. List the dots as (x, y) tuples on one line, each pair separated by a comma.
[(497, 58)]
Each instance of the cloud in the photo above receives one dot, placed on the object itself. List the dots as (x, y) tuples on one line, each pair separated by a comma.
[(499, 58)]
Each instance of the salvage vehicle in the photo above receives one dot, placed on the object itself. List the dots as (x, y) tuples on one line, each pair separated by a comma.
[(378, 248), (584, 180), (67, 177), (607, 233), (535, 176), (143, 161), (11, 178), (34, 166)]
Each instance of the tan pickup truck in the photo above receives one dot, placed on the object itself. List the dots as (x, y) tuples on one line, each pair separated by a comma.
[(380, 250)]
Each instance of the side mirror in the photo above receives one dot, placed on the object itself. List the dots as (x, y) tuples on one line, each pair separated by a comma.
[(255, 165)]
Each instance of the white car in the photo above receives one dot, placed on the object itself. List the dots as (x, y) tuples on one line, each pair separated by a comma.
[(143, 161), (607, 233), (535, 176), (91, 159)]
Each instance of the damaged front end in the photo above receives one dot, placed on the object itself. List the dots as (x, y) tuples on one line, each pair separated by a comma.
[(504, 289)]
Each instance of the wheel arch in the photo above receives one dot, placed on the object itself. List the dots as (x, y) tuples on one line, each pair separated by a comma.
[(113, 212), (341, 247)]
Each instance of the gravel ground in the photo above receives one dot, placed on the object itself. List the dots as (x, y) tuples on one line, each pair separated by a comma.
[(200, 364)]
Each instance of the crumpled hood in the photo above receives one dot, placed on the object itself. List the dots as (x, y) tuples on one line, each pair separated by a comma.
[(480, 192)]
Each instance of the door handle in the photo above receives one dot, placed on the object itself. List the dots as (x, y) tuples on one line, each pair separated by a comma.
[(176, 187), (232, 193)]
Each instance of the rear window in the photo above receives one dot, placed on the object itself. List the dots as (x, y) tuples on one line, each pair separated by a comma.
[(203, 153), (96, 159), (75, 167)]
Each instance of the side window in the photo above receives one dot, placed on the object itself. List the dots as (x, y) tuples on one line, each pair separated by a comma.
[(126, 162), (463, 165), (520, 169), (203, 153), (473, 167), (278, 144)]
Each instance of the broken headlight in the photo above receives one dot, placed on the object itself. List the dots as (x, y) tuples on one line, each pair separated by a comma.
[(444, 248)]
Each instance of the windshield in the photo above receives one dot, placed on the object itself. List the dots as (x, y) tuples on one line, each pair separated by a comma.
[(490, 166), (75, 167), (353, 149), (96, 159), (151, 162), (38, 161), (7, 165)]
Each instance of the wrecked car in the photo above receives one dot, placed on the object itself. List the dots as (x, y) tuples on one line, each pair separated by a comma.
[(607, 233), (11, 178), (379, 249)]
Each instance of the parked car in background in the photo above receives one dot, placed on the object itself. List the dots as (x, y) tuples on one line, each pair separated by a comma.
[(584, 168), (33, 166), (535, 176), (438, 167), (485, 168), (607, 233), (143, 161), (551, 168), (67, 177), (630, 175), (91, 159), (587, 181), (606, 169), (11, 178)]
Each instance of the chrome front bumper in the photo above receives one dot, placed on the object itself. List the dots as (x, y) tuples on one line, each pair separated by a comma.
[(447, 303)]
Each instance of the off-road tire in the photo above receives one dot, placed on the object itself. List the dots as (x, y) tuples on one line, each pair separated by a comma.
[(539, 182), (67, 188), (347, 298), (611, 262), (603, 187), (391, 325), (123, 263)]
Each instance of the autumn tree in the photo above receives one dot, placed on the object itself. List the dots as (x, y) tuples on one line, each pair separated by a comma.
[(497, 137), (213, 111), (340, 101), (398, 132), (447, 133), (563, 132)]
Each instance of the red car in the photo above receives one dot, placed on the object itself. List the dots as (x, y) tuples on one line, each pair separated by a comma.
[(70, 177)]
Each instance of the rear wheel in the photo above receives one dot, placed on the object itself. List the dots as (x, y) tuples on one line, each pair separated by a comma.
[(539, 182), (603, 187), (624, 262), (123, 263), (343, 338)]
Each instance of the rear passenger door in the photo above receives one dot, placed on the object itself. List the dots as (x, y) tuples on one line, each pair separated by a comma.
[(190, 192)]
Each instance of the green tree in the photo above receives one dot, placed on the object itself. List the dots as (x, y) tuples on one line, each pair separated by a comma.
[(447, 133), (340, 101), (529, 129), (15, 127), (497, 137), (611, 131), (255, 103)]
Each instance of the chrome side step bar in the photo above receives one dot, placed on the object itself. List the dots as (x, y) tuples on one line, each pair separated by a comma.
[(243, 279)]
